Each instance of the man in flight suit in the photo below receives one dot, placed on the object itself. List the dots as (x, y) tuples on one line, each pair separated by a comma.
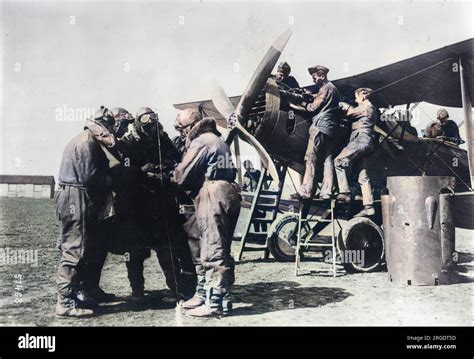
[(208, 172), (148, 148), (83, 202), (444, 128)]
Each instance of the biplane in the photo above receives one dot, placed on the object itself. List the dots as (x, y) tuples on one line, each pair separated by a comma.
[(263, 117)]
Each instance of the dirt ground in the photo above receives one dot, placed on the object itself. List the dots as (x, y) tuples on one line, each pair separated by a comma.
[(267, 293)]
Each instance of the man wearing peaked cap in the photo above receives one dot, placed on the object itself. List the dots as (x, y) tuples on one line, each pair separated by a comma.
[(323, 132), (315, 69)]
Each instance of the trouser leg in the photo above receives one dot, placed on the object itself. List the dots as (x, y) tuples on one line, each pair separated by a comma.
[(176, 261), (195, 249), (170, 266), (217, 214), (318, 153), (188, 276), (192, 230), (365, 185), (342, 180), (135, 267), (73, 212), (343, 163), (328, 175), (306, 189), (94, 266)]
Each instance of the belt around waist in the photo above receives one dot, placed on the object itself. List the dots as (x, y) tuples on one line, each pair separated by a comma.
[(368, 130), (361, 124), (75, 185)]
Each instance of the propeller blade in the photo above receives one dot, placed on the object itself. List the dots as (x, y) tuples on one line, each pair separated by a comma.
[(261, 75), (267, 161), (225, 107), (221, 101)]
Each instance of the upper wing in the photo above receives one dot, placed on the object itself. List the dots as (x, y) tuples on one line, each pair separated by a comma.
[(431, 77), (208, 109)]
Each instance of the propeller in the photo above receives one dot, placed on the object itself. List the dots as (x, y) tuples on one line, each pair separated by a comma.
[(257, 82), (223, 105)]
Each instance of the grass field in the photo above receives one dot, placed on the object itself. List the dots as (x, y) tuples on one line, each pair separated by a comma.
[(265, 293)]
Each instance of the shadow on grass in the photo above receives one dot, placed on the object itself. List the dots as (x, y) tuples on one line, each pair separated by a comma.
[(266, 297), (465, 257), (250, 299), (152, 300)]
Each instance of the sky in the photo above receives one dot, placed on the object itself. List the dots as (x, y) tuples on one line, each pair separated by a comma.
[(61, 60)]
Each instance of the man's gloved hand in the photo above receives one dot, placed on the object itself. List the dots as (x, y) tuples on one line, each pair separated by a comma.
[(154, 175), (149, 167), (344, 106)]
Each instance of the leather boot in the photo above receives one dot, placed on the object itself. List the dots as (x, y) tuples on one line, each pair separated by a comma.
[(196, 301), (71, 308), (366, 212)]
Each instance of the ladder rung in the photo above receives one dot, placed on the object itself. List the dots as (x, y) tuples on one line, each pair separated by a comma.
[(266, 192), (258, 233), (262, 220), (255, 249), (266, 206), (316, 244), (268, 197)]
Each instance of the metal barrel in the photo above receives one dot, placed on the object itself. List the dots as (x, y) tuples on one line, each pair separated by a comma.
[(419, 230)]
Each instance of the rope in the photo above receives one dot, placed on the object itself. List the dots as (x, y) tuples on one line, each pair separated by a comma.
[(178, 302)]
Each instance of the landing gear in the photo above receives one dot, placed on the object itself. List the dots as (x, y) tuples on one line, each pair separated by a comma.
[(282, 237), (360, 242), (361, 238)]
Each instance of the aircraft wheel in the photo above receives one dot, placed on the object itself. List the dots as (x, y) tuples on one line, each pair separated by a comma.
[(361, 245), (283, 236)]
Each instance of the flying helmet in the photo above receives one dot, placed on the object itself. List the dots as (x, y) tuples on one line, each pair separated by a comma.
[(146, 115), (186, 118), (147, 122), (121, 114), (122, 119), (104, 116)]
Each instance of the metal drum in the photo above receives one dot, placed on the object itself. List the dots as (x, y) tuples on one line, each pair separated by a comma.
[(419, 229)]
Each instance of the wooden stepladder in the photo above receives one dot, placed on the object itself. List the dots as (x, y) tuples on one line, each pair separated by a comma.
[(263, 212), (309, 226)]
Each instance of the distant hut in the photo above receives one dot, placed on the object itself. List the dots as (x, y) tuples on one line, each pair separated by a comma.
[(27, 186)]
